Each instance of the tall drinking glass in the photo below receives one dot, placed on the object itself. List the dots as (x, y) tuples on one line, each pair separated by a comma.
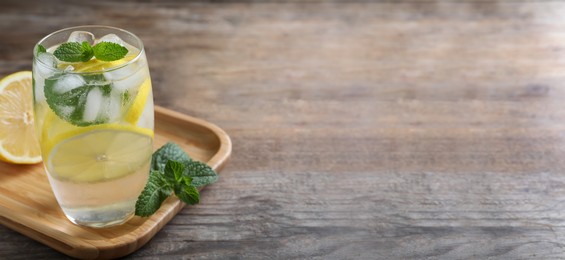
[(94, 120)]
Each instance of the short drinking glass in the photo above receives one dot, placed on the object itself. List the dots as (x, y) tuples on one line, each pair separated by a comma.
[(94, 120)]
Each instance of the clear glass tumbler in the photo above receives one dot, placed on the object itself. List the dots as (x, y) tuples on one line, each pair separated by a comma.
[(94, 120)]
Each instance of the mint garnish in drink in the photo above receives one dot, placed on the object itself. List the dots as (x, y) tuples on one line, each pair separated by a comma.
[(40, 49), (83, 52), (87, 99), (109, 51), (72, 52), (172, 171), (87, 51), (79, 99)]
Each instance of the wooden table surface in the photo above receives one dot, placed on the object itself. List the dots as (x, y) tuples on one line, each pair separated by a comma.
[(361, 130)]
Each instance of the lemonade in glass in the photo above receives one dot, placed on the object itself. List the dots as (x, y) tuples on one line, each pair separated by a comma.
[(94, 121)]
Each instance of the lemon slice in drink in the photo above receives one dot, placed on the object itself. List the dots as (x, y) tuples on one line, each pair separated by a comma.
[(136, 109), (100, 154), (94, 65), (102, 94), (18, 143)]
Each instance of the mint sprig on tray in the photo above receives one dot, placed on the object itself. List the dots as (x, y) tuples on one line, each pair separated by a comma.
[(173, 171), (83, 52)]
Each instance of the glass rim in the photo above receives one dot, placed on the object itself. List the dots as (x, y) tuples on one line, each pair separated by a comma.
[(84, 27)]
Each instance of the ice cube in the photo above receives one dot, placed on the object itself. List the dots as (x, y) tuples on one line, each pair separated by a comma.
[(113, 110), (69, 68), (116, 39), (46, 64), (122, 72), (39, 84), (111, 38), (47, 59), (93, 104), (67, 83), (81, 36), (127, 78), (147, 117)]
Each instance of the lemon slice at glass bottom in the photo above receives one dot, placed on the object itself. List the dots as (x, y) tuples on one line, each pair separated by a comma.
[(100, 155)]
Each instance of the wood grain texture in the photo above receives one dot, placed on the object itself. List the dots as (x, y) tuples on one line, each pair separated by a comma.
[(28, 205), (361, 130)]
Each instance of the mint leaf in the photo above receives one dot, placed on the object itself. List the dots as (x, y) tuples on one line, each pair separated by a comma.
[(200, 173), (33, 88), (186, 180), (169, 151), (109, 51), (152, 196), (66, 95), (40, 49), (173, 172), (77, 52), (87, 51), (69, 52), (188, 194)]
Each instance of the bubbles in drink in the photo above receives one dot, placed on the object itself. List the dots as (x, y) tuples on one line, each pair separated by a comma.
[(66, 111)]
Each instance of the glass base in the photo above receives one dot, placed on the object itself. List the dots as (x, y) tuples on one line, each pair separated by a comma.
[(100, 224), (99, 217)]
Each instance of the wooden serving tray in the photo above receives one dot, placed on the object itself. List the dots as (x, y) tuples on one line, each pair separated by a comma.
[(28, 205)]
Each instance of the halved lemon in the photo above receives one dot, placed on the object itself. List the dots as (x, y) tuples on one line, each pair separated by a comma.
[(18, 142)]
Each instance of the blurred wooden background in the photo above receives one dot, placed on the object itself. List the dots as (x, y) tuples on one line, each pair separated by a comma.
[(361, 130)]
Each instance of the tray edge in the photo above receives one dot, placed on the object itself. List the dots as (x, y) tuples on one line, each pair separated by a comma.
[(217, 162), (129, 244)]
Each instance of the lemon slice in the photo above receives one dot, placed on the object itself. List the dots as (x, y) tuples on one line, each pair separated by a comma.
[(100, 155), (56, 131), (94, 65), (18, 142), (136, 109), (53, 126), (102, 94)]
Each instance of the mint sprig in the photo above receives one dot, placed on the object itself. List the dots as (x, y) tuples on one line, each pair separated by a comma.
[(60, 99), (172, 171), (40, 49), (155, 192), (70, 52), (109, 51), (169, 151), (87, 51), (83, 52)]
